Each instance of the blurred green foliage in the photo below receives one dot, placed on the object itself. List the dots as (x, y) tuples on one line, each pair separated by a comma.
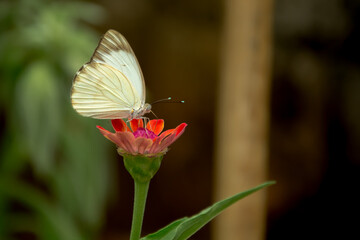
[(54, 180)]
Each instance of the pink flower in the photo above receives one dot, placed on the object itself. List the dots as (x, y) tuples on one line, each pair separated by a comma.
[(139, 140)]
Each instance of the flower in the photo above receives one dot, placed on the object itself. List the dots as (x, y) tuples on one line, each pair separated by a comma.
[(137, 140)]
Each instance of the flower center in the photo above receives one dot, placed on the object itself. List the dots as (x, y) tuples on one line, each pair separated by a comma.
[(145, 133)]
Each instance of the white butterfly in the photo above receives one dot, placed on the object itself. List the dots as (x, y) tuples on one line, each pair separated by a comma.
[(111, 85)]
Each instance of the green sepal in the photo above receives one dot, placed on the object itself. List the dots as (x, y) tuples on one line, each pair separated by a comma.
[(184, 228), (142, 168)]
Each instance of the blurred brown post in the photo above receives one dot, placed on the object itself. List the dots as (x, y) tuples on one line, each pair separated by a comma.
[(242, 122)]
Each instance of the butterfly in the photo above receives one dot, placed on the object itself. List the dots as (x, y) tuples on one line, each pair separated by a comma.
[(111, 85)]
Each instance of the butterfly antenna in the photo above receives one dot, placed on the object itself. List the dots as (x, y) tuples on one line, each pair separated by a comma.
[(164, 100), (167, 100), (161, 100)]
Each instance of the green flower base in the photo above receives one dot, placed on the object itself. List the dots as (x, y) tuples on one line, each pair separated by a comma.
[(141, 167)]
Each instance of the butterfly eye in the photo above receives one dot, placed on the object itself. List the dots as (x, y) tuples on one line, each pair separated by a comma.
[(147, 107)]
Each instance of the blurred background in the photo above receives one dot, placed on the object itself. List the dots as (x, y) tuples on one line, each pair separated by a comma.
[(60, 179)]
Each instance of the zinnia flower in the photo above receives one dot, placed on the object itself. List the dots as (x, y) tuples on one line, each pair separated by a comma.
[(138, 140)]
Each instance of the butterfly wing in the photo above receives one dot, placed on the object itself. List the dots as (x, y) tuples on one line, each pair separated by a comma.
[(111, 85), (115, 51), (101, 91)]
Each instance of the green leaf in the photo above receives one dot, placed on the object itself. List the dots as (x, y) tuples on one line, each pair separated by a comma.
[(57, 221), (168, 232), (184, 228), (38, 106), (82, 180)]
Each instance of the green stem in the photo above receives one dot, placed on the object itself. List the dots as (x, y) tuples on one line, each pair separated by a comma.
[(141, 190)]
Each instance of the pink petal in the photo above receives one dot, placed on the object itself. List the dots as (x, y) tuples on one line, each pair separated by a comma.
[(155, 145), (142, 144), (165, 143), (126, 139), (166, 133), (115, 139)]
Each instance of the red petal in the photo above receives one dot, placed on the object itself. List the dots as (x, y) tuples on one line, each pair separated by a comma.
[(102, 129), (165, 143), (167, 138), (166, 133), (119, 125), (104, 132), (173, 134), (155, 125), (136, 123), (180, 129)]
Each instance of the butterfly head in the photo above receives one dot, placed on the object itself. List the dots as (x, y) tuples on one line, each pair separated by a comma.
[(137, 113)]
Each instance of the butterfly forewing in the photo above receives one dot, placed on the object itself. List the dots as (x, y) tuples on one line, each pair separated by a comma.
[(111, 85), (115, 51), (101, 91)]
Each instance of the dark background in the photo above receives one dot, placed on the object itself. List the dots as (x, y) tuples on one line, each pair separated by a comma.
[(314, 134)]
